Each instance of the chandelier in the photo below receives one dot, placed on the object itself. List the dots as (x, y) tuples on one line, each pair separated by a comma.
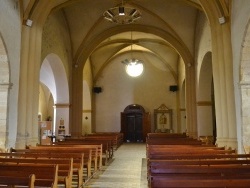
[(122, 14), (134, 67)]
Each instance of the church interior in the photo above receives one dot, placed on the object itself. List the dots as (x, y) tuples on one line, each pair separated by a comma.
[(73, 68)]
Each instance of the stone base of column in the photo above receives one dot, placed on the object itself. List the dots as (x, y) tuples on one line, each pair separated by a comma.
[(227, 142), (20, 142), (33, 141), (192, 134), (23, 141)]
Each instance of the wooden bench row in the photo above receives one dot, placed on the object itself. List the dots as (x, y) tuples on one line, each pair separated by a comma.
[(76, 160), (106, 146), (93, 153), (30, 175), (174, 164), (18, 180), (70, 165), (116, 137), (90, 161)]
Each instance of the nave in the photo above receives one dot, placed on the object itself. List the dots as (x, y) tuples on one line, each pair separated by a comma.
[(126, 170)]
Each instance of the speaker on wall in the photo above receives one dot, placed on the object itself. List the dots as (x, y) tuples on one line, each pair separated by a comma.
[(97, 89), (173, 88)]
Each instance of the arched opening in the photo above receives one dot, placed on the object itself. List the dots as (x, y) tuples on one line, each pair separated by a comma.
[(53, 76), (205, 99)]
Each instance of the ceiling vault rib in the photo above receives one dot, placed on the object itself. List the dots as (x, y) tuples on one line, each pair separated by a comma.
[(30, 9)]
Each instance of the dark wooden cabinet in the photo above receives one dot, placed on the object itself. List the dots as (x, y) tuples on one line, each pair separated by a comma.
[(135, 123)]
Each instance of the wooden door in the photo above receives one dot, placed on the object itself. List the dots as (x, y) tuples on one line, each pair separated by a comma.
[(135, 124), (134, 128)]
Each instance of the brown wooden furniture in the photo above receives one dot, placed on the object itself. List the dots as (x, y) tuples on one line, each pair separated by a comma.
[(81, 161), (16, 180), (46, 174), (171, 163), (135, 123), (65, 167), (107, 150)]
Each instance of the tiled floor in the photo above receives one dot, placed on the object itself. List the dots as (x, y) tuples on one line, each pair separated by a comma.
[(127, 169)]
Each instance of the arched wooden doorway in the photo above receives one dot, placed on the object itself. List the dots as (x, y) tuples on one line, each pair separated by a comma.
[(135, 123)]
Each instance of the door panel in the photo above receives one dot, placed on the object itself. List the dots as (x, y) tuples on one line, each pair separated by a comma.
[(134, 128), (135, 125), (138, 128)]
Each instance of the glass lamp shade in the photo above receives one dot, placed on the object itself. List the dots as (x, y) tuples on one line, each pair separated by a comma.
[(134, 68)]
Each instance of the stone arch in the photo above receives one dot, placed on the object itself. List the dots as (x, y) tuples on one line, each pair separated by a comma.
[(180, 48), (53, 75), (204, 97), (4, 93)]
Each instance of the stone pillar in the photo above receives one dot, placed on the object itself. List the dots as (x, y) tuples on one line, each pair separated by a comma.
[(77, 87), (245, 95), (223, 85), (191, 113), (4, 91), (27, 130), (222, 72)]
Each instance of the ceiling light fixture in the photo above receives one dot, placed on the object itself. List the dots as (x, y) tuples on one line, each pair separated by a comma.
[(122, 14), (134, 67)]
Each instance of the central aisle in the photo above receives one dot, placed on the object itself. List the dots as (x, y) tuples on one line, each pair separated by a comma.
[(126, 170)]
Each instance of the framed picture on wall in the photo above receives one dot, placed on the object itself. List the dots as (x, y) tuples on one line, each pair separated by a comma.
[(163, 119)]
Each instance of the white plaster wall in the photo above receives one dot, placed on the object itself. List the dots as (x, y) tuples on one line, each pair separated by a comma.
[(10, 29), (150, 90)]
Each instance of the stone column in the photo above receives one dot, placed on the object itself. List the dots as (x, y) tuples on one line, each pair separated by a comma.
[(77, 87), (191, 112), (4, 91), (245, 95), (223, 85)]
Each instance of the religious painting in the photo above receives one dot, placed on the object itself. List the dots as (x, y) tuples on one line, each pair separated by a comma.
[(163, 119)]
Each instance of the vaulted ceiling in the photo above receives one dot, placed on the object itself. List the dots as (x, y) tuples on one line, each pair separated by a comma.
[(164, 25)]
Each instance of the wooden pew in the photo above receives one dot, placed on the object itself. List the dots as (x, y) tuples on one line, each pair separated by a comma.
[(200, 156), (161, 182), (46, 175), (65, 167), (94, 150), (208, 175), (115, 137), (119, 136), (166, 135), (179, 141), (16, 180), (79, 160), (107, 147), (152, 153), (186, 162)]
